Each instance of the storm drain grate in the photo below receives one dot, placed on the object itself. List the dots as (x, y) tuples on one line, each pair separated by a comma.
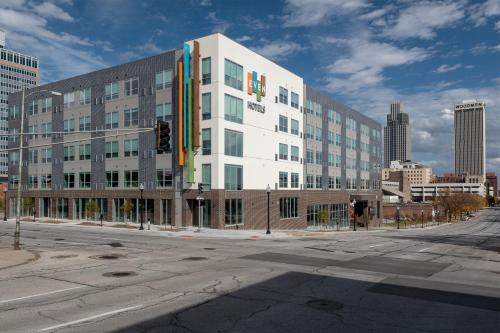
[(107, 256), (194, 258), (115, 244), (325, 305), (119, 274)]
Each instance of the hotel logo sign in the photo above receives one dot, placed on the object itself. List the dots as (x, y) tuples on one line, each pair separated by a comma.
[(255, 86)]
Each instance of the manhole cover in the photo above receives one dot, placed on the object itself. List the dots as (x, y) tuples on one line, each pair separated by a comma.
[(194, 258), (119, 274), (115, 244), (64, 256), (325, 305), (59, 239), (107, 256), (209, 248)]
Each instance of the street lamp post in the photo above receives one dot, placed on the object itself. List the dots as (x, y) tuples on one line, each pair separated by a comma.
[(268, 190), (5, 204), (17, 233), (397, 218), (422, 218), (437, 213), (353, 204), (141, 187)]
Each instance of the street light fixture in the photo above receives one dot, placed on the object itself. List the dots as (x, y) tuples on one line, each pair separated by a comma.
[(397, 218), (5, 204), (17, 233), (141, 187), (268, 190)]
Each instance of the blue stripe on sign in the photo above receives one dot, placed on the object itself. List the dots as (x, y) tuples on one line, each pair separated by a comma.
[(186, 82)]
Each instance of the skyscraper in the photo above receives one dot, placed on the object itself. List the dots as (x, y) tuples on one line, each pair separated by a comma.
[(397, 135), (470, 139), (16, 70)]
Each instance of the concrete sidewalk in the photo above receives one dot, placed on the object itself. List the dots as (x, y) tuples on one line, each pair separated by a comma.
[(10, 257)]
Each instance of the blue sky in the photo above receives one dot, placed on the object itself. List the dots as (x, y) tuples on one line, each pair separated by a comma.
[(427, 54)]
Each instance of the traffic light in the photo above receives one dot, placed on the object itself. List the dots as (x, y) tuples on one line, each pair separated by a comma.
[(200, 188), (163, 137)]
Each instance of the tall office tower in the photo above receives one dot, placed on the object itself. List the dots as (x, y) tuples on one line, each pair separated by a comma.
[(470, 139), (397, 135), (16, 70)]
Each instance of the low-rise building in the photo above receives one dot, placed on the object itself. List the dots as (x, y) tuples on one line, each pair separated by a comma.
[(427, 192), (415, 172)]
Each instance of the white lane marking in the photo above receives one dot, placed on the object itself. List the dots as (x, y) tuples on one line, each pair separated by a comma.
[(90, 318), (424, 249), (42, 294)]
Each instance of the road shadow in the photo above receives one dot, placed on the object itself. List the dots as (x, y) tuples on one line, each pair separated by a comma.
[(303, 302)]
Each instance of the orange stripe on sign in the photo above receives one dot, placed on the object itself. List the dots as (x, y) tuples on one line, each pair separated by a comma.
[(180, 75), (249, 83)]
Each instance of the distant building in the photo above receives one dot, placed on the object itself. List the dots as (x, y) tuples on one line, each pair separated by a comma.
[(492, 181), (415, 172), (470, 139), (16, 70), (427, 192), (397, 135)]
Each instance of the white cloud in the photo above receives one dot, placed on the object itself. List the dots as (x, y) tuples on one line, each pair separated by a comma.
[(219, 25), (244, 38), (447, 68), (205, 3), (481, 12), (483, 48), (308, 13), (360, 68), (420, 20), (497, 26), (50, 10), (278, 49)]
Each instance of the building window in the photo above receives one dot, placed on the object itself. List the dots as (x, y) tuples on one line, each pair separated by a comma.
[(310, 181), (130, 147), (283, 179), (206, 141), (163, 79), (338, 140), (46, 181), (294, 126), (85, 152), (84, 180), (309, 156), (84, 124), (233, 74), (233, 177), (206, 71), (131, 86), (319, 134), (206, 176), (283, 151), (331, 137), (85, 96), (295, 100), (206, 106), (131, 178), (112, 178), (331, 159), (319, 182), (164, 178), (131, 117), (319, 157), (283, 95), (13, 112), (331, 182), (69, 99), (111, 120), (234, 212), (69, 153), (309, 132), (112, 149), (289, 208), (14, 157), (46, 104), (294, 180), (69, 125), (233, 109), (163, 111), (69, 180), (283, 124), (294, 153), (33, 156), (111, 91), (46, 155), (233, 143)]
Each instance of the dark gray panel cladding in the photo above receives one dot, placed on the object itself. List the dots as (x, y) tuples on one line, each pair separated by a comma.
[(57, 149), (145, 69)]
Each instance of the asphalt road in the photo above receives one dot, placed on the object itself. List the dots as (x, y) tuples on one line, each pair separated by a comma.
[(442, 279)]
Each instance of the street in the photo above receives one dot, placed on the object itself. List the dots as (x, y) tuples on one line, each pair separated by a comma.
[(438, 279)]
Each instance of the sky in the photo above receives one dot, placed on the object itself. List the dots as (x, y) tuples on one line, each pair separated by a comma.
[(427, 54)]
